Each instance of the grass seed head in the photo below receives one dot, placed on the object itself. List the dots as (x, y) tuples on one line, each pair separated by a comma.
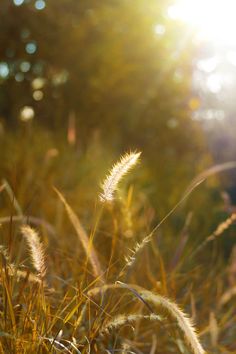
[(118, 171), (36, 250)]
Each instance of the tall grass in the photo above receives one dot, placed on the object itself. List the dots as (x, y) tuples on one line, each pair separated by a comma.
[(72, 299)]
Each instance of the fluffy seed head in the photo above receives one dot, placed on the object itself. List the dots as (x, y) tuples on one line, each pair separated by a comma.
[(117, 172), (36, 250), (123, 319), (183, 321), (172, 308)]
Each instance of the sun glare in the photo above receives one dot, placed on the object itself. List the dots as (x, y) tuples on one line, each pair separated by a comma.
[(213, 20)]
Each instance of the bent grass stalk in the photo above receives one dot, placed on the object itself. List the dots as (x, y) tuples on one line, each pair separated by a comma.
[(210, 172), (174, 311), (83, 237), (162, 302)]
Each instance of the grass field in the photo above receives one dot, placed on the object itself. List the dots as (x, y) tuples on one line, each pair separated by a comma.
[(88, 267)]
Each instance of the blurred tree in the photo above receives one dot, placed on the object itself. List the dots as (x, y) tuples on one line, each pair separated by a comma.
[(121, 68)]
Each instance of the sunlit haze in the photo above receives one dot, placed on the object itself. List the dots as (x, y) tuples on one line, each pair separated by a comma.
[(213, 20)]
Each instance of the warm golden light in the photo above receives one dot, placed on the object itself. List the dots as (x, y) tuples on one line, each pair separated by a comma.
[(214, 20)]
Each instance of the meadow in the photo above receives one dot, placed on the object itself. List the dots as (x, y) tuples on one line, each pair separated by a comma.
[(117, 177), (87, 266)]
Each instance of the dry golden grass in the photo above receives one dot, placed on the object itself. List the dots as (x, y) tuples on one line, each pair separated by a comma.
[(101, 297)]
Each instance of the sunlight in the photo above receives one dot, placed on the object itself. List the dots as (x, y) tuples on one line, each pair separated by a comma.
[(213, 20)]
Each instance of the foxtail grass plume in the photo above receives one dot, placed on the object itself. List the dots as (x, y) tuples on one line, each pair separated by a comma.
[(12, 270), (117, 172), (123, 319), (184, 323), (36, 250), (147, 297)]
